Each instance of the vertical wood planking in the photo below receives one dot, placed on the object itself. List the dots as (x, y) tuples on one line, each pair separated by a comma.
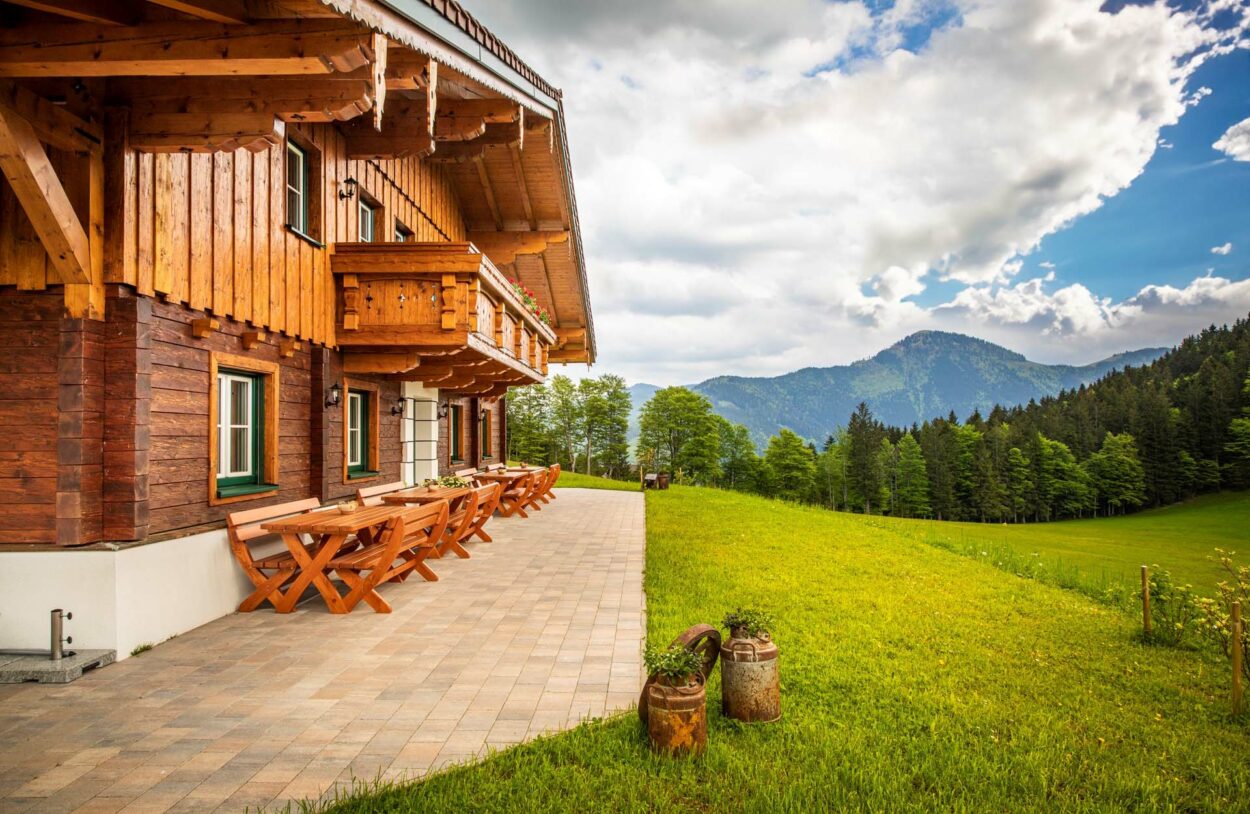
[(260, 238), (179, 222), (242, 236), (223, 233), (164, 187), (277, 238), (145, 228), (201, 231)]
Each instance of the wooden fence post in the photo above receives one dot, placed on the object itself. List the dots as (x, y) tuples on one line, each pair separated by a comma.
[(1145, 600), (1237, 660)]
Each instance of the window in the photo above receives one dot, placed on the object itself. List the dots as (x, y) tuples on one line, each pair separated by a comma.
[(457, 432), (484, 433), (243, 404), (402, 233), (368, 217), (360, 431), (297, 175)]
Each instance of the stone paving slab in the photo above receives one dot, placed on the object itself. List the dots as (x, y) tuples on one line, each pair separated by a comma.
[(534, 633)]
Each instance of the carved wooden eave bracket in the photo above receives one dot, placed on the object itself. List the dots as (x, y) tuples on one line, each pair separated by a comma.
[(503, 247)]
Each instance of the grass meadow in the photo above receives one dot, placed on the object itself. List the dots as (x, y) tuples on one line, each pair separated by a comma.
[(914, 679)]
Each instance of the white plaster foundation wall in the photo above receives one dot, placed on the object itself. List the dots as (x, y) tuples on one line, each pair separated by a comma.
[(120, 599)]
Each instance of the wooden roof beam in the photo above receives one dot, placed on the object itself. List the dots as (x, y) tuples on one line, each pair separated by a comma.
[(466, 119), (36, 185), (217, 11), (409, 70), (52, 123), (503, 247), (310, 99), (381, 362), (204, 132), (274, 47), (100, 12)]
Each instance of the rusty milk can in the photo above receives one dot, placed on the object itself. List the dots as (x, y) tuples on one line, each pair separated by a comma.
[(677, 716), (750, 680)]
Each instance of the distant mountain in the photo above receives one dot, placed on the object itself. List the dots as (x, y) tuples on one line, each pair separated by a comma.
[(925, 375)]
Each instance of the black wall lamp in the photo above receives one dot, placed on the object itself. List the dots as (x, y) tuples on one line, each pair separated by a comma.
[(398, 409), (442, 409), (335, 395), (350, 192)]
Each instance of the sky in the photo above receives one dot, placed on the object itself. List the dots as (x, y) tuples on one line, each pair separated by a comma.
[(770, 186)]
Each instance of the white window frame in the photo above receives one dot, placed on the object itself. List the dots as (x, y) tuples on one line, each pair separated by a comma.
[(355, 440), (226, 428), (297, 220), (368, 214)]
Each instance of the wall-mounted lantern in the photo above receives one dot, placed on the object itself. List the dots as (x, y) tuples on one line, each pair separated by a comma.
[(350, 192), (398, 409), (443, 409), (335, 395)]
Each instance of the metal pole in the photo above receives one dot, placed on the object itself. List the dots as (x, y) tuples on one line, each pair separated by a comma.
[(56, 634)]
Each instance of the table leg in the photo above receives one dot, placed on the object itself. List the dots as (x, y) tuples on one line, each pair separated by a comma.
[(313, 571)]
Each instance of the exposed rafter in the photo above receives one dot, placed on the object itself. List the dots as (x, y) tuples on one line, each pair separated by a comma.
[(106, 12), (466, 119), (35, 183), (405, 131), (204, 132), (276, 47), (53, 124), (381, 362), (307, 99), (218, 11)]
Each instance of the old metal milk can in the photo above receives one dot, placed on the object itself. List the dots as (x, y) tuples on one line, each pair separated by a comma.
[(677, 716), (750, 680)]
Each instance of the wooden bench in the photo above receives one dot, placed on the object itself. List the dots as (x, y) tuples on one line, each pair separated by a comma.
[(546, 492), (514, 498), (487, 502), (496, 467), (372, 495), (269, 574), (402, 547)]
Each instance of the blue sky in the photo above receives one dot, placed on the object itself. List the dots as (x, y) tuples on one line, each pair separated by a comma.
[(764, 188)]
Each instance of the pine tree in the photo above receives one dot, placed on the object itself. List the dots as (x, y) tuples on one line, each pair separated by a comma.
[(1116, 474), (863, 470), (912, 493), (738, 459), (793, 465), (1020, 486)]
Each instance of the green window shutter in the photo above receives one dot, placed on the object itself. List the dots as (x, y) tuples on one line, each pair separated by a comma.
[(457, 428)]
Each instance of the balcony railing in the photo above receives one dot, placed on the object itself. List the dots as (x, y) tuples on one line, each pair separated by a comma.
[(440, 313)]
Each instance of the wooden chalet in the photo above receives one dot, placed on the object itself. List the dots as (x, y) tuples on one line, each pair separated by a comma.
[(260, 250)]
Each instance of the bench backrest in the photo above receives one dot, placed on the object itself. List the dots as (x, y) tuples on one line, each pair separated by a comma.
[(424, 525), (459, 523), (553, 475), (244, 527), (465, 473), (372, 495), (487, 501), (496, 467)]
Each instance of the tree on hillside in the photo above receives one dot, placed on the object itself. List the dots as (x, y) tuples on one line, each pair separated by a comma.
[(792, 464), (679, 425), (567, 419), (1019, 484), (1116, 473), (831, 479), (864, 464), (605, 405), (887, 464), (529, 419), (738, 459), (911, 498)]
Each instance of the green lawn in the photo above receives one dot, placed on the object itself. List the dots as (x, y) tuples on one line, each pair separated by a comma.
[(575, 480), (1105, 551), (914, 679)]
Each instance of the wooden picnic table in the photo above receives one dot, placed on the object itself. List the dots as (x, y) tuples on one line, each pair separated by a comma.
[(420, 494), (333, 528)]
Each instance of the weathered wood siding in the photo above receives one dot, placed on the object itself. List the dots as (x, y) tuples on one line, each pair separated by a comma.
[(209, 231)]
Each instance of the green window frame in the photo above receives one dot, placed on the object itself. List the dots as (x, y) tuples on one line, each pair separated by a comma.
[(240, 433), (298, 205), (359, 441), (483, 433), (457, 433)]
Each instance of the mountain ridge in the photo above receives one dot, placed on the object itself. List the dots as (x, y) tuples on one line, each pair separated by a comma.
[(923, 375)]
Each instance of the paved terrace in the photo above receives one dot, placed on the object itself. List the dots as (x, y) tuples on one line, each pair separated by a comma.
[(538, 630)]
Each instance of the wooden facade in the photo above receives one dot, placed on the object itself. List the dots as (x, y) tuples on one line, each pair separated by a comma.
[(147, 243)]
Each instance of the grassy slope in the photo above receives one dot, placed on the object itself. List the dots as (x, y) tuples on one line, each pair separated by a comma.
[(1179, 538), (914, 679), (576, 480)]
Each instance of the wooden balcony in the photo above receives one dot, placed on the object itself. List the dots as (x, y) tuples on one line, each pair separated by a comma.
[(438, 313)]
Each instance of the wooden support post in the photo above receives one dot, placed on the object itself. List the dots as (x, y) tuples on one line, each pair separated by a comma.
[(1145, 601), (1238, 657)]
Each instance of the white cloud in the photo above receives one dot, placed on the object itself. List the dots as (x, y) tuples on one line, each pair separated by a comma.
[(1235, 142), (766, 188), (1223, 250)]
